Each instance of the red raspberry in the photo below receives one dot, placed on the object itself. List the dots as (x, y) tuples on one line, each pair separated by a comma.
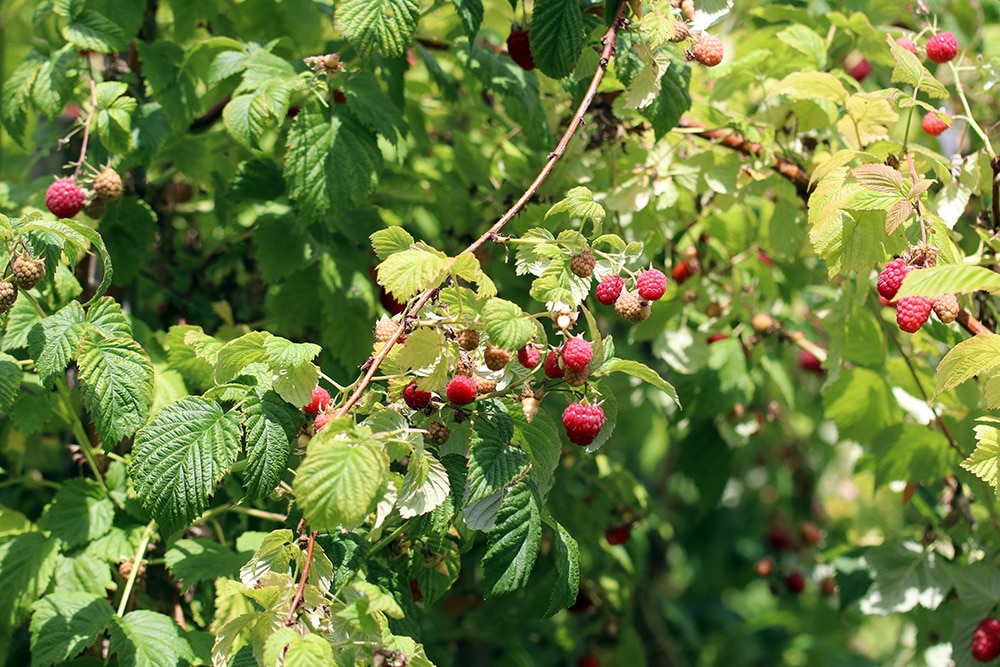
[(716, 337), (985, 645), (320, 399), (682, 271), (322, 419), (552, 368), (708, 50), (809, 362), (907, 44), (609, 288), (528, 356), (912, 312), (892, 277), (651, 284), (933, 125), (577, 353), (64, 198), (416, 399), (942, 47), (583, 423), (617, 534), (796, 582), (861, 70), (461, 390), (588, 661), (519, 48)]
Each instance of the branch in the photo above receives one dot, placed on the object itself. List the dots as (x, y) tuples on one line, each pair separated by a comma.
[(300, 591)]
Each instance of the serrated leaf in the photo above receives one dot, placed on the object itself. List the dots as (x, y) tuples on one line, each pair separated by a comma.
[(643, 372), (939, 280), (258, 179), (147, 638), (27, 562), (909, 69), (408, 273), (506, 324), (245, 118), (977, 585), (979, 355), (869, 119), (338, 481), (116, 381), (294, 376), (908, 576), (21, 319), (191, 561), (274, 554), (54, 341), (470, 12), (879, 178), (181, 357), (913, 453), (106, 316), (673, 101), (64, 624), (52, 85), (579, 203), (856, 419), (374, 108), (270, 425), (811, 86), (513, 542), (15, 96), (391, 240), (180, 456), (897, 215), (384, 24), (984, 462), (80, 513), (92, 31), (420, 497), (308, 651), (493, 466), (130, 228), (83, 573), (239, 353), (422, 349), (541, 441), (10, 381), (566, 553), (556, 36)]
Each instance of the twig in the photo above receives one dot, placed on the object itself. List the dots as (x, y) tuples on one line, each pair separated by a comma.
[(86, 123), (300, 591), (147, 535)]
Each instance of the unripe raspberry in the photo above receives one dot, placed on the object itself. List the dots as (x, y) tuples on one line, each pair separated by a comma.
[(609, 288), (108, 184), (322, 419), (484, 385), (891, 278), (933, 125), (651, 284), (708, 50), (320, 399), (461, 390), (551, 367), (8, 295), (530, 406), (27, 272), (946, 307), (576, 377), (630, 307), (907, 44), (95, 208), (528, 356), (438, 433), (519, 48), (942, 47), (985, 646), (582, 265), (583, 423), (681, 32), (64, 198), (577, 353), (762, 323), (416, 399), (468, 339), (828, 587), (912, 312), (496, 357), (385, 329)]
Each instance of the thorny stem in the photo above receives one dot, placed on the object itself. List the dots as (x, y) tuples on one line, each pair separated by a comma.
[(916, 202), (147, 535), (80, 433), (86, 123), (300, 591)]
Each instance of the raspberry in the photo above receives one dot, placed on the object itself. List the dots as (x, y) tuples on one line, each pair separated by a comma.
[(484, 385), (108, 184), (64, 198), (892, 277), (907, 44), (609, 288), (461, 390), (27, 272), (322, 419), (589, 661), (496, 357), (416, 399), (946, 307), (95, 208), (762, 323), (985, 645), (384, 330), (320, 399), (828, 586), (438, 433), (912, 312), (682, 271), (528, 356), (519, 48), (530, 406), (933, 125), (861, 70), (577, 353), (582, 265), (942, 47), (618, 534), (708, 50), (8, 295), (764, 567), (681, 31), (810, 533), (809, 362), (630, 307), (551, 367), (575, 377), (716, 337), (651, 284), (583, 422), (468, 339), (796, 582)]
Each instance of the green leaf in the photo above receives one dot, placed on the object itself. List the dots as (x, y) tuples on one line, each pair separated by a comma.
[(579, 203), (644, 373), (909, 69), (384, 24), (308, 651), (16, 94), (147, 638), (513, 542), (179, 457), (506, 324), (493, 466), (979, 355), (374, 108), (541, 441), (83, 573), (408, 273), (567, 556), (55, 340), (53, 85), (191, 561), (168, 82), (858, 419), (805, 40), (339, 481), (811, 86), (274, 554), (556, 36), (10, 381), (92, 31), (912, 453), (333, 161), (908, 576), (80, 513), (116, 381), (181, 357), (64, 624), (471, 14), (114, 116), (939, 280), (106, 316), (984, 462), (245, 118), (239, 353), (391, 240), (422, 349), (130, 229), (420, 497), (270, 425), (73, 230), (258, 179), (21, 319), (673, 100), (977, 585), (27, 562)]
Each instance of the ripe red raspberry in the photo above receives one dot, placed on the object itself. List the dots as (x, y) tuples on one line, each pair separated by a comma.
[(651, 284), (708, 50), (716, 337), (416, 399), (808, 362), (861, 70), (551, 367), (108, 184), (933, 125), (519, 48), (322, 419), (682, 271), (609, 288), (528, 356), (907, 44), (912, 312), (942, 47), (8, 295), (985, 645), (618, 534), (796, 582), (577, 353), (946, 307), (461, 390), (27, 272), (496, 357), (588, 661), (64, 198), (583, 423), (891, 278), (320, 399), (582, 265)]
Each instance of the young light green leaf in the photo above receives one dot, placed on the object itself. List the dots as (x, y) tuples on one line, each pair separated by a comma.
[(408, 273), (338, 481), (513, 542), (144, 637), (419, 497), (566, 553), (643, 372), (239, 353), (859, 419), (308, 651), (21, 320), (269, 426), (811, 86), (274, 554), (556, 36), (506, 324), (879, 177), (390, 240), (179, 457), (27, 562), (984, 462), (909, 69), (384, 24), (579, 203), (55, 341), (422, 349), (979, 355), (939, 280), (80, 512), (116, 381), (294, 376), (181, 357), (64, 624)]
